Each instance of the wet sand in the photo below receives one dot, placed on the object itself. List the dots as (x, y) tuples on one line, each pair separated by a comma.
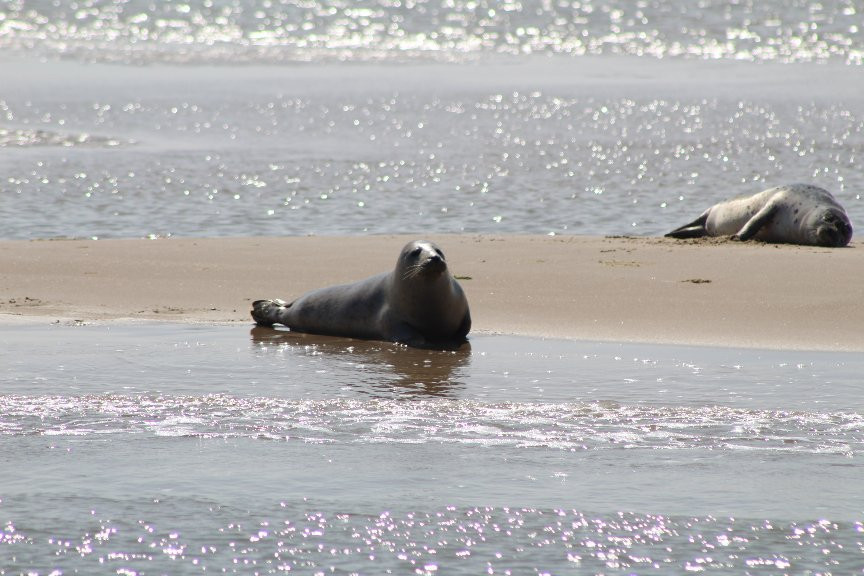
[(717, 293)]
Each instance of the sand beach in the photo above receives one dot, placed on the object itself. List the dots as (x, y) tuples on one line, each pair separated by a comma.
[(629, 289)]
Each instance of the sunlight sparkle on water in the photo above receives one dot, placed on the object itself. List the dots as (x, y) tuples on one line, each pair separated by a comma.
[(283, 30)]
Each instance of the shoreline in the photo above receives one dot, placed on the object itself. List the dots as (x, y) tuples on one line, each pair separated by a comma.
[(617, 289)]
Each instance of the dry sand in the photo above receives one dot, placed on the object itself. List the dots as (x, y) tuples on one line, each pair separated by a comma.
[(621, 289)]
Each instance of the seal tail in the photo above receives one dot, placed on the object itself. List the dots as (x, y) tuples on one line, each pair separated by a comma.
[(268, 312), (695, 229)]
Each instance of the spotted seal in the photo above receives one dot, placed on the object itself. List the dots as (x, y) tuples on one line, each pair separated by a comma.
[(418, 303), (794, 214)]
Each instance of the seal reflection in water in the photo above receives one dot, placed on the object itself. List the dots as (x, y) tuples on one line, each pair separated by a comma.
[(388, 370), (418, 303), (794, 214)]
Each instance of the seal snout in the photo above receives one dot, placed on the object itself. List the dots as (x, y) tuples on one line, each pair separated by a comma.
[(436, 261), (836, 235)]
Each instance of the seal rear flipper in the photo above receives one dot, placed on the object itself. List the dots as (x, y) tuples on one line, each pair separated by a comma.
[(268, 312), (695, 229), (757, 222)]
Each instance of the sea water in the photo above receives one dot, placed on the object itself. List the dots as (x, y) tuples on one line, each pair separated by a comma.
[(270, 117), (166, 449)]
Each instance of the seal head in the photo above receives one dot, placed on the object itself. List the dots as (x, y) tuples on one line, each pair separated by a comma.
[(832, 228)]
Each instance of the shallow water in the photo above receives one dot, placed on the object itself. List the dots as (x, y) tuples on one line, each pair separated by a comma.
[(178, 449), (529, 146), (276, 117)]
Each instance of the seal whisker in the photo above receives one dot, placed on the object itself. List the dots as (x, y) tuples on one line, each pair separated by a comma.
[(412, 271)]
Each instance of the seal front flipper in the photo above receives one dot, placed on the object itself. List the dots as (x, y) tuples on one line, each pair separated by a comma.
[(269, 312), (695, 229), (403, 333), (465, 327), (757, 222)]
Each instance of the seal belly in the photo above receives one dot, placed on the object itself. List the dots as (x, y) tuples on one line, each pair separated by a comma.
[(723, 222)]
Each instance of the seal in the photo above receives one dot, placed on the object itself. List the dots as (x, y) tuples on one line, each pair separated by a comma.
[(793, 214), (418, 303)]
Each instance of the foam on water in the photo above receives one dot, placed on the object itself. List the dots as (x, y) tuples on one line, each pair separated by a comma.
[(559, 426)]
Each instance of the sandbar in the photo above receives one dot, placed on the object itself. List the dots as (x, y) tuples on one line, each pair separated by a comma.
[(626, 289)]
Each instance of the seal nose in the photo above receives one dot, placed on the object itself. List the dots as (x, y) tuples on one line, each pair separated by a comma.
[(837, 235), (435, 263)]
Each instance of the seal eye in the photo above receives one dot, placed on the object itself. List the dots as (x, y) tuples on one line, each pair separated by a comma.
[(416, 252), (440, 253)]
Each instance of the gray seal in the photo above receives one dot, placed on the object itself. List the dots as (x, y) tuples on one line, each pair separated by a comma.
[(794, 214), (418, 303)]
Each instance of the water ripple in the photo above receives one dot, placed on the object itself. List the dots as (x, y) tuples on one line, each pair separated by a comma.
[(500, 162), (451, 540), (285, 30), (558, 426)]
